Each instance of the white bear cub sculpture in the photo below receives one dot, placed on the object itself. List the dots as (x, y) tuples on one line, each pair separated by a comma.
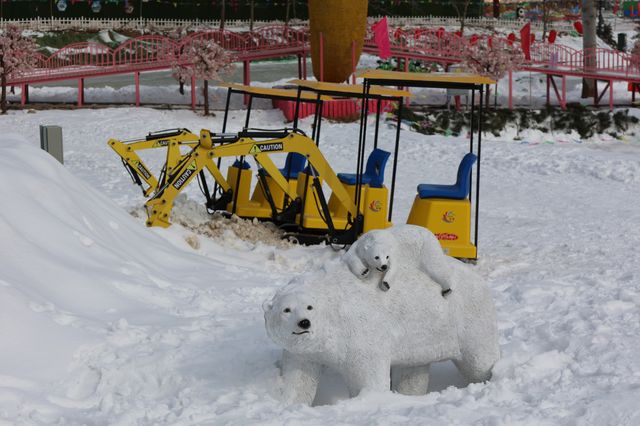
[(325, 319), (384, 250)]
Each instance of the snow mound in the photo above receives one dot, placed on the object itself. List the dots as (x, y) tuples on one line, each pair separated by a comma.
[(105, 321), (94, 306)]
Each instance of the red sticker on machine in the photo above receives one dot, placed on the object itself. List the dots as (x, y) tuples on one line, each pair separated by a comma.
[(447, 237)]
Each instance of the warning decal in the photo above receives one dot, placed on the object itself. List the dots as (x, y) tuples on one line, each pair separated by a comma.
[(265, 147)]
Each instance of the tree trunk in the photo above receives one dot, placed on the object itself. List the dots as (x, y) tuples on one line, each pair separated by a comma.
[(496, 9), (206, 97), (222, 14), (286, 19), (589, 45), (545, 19), (461, 7), (252, 11), (295, 15), (3, 97)]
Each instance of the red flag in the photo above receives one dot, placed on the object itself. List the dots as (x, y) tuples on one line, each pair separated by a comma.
[(578, 26), (552, 36), (440, 32), (525, 41), (511, 39), (474, 39), (381, 37)]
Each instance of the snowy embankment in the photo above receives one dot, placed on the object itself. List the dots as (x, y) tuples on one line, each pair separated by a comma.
[(103, 321)]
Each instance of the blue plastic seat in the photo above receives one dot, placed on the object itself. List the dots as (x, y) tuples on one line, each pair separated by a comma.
[(293, 165), (244, 165), (460, 190), (374, 172)]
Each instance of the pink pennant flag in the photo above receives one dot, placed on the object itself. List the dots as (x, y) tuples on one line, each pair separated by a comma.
[(381, 37)]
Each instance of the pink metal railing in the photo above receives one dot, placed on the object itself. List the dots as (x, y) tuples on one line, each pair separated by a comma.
[(157, 52), (144, 50)]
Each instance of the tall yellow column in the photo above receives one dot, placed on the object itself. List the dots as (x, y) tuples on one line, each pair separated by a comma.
[(341, 22)]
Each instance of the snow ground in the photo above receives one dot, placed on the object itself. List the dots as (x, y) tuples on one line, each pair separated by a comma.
[(103, 321)]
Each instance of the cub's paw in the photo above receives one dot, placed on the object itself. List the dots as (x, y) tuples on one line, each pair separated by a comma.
[(384, 286)]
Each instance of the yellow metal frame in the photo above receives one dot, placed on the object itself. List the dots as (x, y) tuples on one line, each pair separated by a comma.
[(202, 156), (350, 90), (432, 77), (270, 93), (128, 152)]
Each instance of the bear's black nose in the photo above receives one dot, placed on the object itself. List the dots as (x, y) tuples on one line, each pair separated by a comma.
[(384, 267), (305, 323)]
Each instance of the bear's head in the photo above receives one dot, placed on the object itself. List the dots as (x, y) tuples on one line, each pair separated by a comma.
[(375, 250), (294, 320)]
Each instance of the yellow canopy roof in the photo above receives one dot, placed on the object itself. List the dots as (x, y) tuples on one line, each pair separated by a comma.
[(434, 77), (267, 92), (349, 90)]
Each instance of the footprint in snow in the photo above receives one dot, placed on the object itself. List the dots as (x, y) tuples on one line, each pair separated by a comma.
[(84, 240)]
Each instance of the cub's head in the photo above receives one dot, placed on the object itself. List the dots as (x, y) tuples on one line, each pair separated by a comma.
[(375, 251), (294, 321)]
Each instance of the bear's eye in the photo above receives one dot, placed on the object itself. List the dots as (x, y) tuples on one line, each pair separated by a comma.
[(387, 257), (309, 307), (377, 257), (287, 310)]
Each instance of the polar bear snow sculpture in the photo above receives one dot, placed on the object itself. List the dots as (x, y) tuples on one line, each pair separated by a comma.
[(324, 319), (382, 249)]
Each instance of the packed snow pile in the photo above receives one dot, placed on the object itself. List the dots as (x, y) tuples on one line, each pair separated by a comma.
[(105, 321), (193, 216)]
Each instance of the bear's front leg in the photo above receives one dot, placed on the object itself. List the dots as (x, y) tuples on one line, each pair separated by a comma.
[(300, 379), (355, 264), (365, 374), (441, 272), (410, 380), (388, 279)]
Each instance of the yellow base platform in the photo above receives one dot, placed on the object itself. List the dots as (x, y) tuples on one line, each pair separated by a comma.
[(449, 220)]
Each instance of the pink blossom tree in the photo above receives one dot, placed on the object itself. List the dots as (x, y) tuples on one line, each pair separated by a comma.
[(635, 50), (492, 58), (205, 60), (17, 55)]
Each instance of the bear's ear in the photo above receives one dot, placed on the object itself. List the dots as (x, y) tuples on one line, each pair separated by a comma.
[(267, 305)]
